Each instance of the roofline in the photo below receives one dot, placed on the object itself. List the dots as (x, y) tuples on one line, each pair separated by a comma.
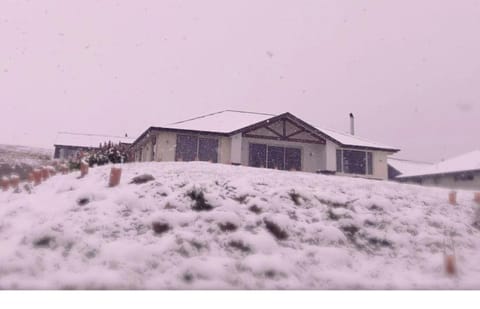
[(74, 146), (436, 174), (315, 130), (411, 161), (176, 130), (273, 118)]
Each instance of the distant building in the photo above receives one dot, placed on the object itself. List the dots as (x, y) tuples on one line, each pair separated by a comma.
[(69, 145), (398, 167), (263, 140), (461, 172)]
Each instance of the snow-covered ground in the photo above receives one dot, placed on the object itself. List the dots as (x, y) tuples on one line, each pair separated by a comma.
[(21, 159), (213, 226)]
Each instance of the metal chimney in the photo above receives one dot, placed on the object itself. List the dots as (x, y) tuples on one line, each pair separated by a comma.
[(352, 124)]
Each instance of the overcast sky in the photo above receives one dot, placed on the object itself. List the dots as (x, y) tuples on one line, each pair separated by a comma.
[(408, 70)]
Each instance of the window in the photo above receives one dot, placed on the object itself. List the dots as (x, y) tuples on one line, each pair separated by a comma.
[(276, 157), (464, 177), (354, 162), (186, 149), (207, 149), (257, 155), (191, 148), (293, 159)]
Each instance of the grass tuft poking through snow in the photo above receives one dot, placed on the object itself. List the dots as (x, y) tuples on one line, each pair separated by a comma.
[(194, 225)]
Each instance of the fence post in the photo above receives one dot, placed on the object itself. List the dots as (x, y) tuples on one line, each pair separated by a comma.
[(37, 177), (83, 168), (452, 197), (115, 175), (476, 197), (4, 183)]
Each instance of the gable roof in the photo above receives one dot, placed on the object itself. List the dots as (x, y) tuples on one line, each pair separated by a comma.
[(463, 163), (88, 140), (229, 122), (405, 167)]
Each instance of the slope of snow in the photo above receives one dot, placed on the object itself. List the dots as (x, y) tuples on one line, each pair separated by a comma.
[(213, 226), (466, 162), (20, 160), (16, 155)]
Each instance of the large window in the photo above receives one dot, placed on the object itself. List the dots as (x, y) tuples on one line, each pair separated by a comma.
[(207, 149), (257, 155), (276, 157), (354, 162), (191, 148)]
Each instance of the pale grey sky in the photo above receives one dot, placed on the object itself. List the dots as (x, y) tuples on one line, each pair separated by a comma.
[(408, 70)]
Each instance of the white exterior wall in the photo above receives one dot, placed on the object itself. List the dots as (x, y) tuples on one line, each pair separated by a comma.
[(313, 155), (236, 149), (331, 156)]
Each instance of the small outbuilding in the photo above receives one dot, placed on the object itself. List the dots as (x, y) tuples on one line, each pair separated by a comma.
[(398, 167), (282, 142), (70, 145), (461, 172)]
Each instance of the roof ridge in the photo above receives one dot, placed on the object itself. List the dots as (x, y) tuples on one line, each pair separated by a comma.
[(219, 112)]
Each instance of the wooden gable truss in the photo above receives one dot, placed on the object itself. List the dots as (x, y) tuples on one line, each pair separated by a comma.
[(284, 129)]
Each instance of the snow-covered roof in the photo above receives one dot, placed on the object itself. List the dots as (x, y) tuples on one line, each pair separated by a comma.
[(222, 122), (353, 140), (229, 121), (463, 163), (407, 166), (88, 140)]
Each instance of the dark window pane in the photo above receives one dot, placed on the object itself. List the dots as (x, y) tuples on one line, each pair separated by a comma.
[(207, 149), (186, 149), (276, 157), (293, 159), (339, 160), (354, 162), (257, 155), (369, 163)]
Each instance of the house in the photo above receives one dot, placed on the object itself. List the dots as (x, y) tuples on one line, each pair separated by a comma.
[(263, 140), (461, 172), (69, 145), (397, 167)]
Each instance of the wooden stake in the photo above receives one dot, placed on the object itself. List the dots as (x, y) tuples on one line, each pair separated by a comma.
[(4, 183), (83, 169), (452, 198), (476, 197), (115, 175), (37, 177), (450, 265)]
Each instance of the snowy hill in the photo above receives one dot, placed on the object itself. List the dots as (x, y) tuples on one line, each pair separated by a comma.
[(214, 226), (21, 159)]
